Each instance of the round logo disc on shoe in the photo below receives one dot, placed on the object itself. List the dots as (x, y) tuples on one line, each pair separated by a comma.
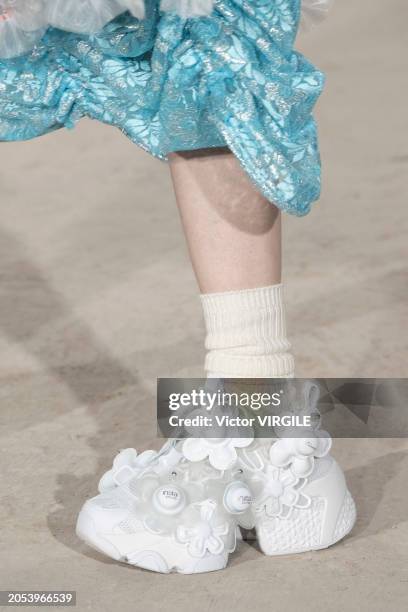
[(169, 499), (237, 497)]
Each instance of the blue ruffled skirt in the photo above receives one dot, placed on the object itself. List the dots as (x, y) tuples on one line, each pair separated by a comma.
[(229, 79)]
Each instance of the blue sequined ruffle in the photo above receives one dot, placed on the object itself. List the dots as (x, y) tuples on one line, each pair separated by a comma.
[(170, 84)]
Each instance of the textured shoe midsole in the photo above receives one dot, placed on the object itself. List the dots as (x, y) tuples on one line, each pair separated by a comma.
[(329, 518), (156, 553)]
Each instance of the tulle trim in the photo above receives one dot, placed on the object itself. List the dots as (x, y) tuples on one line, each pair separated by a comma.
[(314, 12), (188, 8), (24, 22)]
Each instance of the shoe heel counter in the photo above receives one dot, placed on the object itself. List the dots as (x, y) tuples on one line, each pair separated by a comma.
[(333, 488)]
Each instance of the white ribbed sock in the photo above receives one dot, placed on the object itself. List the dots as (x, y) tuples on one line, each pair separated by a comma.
[(246, 334)]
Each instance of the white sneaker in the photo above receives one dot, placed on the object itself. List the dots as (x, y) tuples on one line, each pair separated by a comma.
[(301, 501), (164, 512), (180, 509)]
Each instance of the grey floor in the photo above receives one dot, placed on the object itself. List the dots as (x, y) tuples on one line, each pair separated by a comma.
[(97, 299)]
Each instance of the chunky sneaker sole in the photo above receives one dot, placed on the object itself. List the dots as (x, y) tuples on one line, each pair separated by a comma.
[(143, 549), (328, 516)]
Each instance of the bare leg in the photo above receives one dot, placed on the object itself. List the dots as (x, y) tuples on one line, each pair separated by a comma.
[(234, 238), (233, 232)]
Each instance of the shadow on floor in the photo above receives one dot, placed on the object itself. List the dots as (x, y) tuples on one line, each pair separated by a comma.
[(368, 485)]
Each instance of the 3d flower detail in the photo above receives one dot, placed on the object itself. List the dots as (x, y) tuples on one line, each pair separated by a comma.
[(160, 502), (126, 465), (300, 453), (255, 457), (206, 533), (279, 492), (221, 452)]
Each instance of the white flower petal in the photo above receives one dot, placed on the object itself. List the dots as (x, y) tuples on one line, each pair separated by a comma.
[(197, 547), (126, 457), (289, 497), (272, 472), (107, 482), (306, 447), (145, 458), (287, 478), (207, 509), (195, 449), (302, 466), (303, 501), (252, 460), (223, 458), (285, 511), (123, 474), (241, 442), (184, 534), (221, 530), (214, 544)]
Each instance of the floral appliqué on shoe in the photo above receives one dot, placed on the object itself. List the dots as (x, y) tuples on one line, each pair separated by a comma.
[(279, 492), (300, 453), (205, 530), (221, 452)]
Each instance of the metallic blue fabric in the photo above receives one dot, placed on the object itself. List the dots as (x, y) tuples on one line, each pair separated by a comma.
[(170, 84)]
